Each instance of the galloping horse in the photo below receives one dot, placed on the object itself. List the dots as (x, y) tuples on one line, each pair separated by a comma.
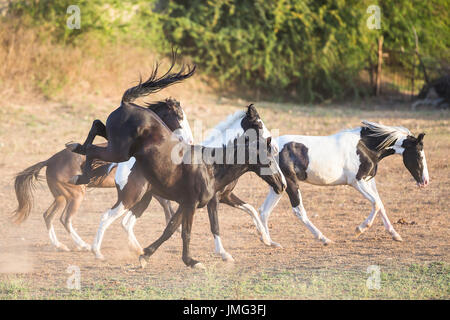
[(195, 180), (62, 166), (224, 133), (349, 157)]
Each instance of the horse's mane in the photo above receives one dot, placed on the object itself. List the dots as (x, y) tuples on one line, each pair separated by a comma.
[(390, 133), (224, 125)]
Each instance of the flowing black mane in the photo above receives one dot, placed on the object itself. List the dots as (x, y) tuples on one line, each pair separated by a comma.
[(377, 137)]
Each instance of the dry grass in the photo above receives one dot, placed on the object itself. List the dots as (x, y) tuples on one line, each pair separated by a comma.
[(33, 65)]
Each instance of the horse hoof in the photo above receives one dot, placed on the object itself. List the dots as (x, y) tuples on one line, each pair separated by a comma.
[(74, 180), (62, 247), (84, 247), (327, 242), (227, 257), (79, 179), (99, 256), (358, 231), (397, 237), (199, 265), (276, 245), (142, 261), (74, 147)]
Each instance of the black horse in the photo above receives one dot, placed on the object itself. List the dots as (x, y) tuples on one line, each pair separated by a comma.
[(127, 125)]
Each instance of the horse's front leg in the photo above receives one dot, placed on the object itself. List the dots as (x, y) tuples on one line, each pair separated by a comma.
[(188, 218), (173, 224), (97, 129), (232, 200), (369, 191), (214, 225)]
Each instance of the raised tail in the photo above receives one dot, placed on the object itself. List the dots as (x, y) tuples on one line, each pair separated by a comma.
[(24, 185), (154, 84)]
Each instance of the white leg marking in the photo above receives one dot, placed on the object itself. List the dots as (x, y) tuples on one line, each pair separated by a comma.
[(387, 224), (365, 189), (80, 243), (132, 241), (257, 221), (269, 204), (219, 249), (300, 212), (54, 239), (107, 218)]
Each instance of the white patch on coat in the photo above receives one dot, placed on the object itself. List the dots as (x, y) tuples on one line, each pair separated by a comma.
[(186, 133), (332, 159), (123, 172), (225, 131)]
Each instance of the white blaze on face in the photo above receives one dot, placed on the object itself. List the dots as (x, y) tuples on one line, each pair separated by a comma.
[(425, 175), (185, 132), (267, 134)]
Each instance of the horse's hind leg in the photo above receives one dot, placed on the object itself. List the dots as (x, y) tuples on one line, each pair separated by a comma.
[(167, 207), (66, 219), (97, 129), (232, 200), (108, 217), (130, 219), (300, 212), (101, 153), (49, 214), (214, 225)]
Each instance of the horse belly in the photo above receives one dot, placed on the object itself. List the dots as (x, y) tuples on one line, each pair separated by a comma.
[(323, 170)]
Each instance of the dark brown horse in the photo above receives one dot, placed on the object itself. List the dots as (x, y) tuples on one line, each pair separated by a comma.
[(133, 188), (192, 175), (62, 166), (127, 125)]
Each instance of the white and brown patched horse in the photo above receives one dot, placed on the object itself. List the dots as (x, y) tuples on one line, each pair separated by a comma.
[(349, 157)]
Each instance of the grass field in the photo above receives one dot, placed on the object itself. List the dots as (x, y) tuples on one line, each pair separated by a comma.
[(418, 268)]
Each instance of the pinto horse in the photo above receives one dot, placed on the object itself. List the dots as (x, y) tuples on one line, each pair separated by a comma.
[(126, 125), (349, 157), (225, 132), (62, 166)]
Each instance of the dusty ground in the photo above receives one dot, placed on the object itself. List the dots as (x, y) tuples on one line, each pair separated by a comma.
[(33, 132)]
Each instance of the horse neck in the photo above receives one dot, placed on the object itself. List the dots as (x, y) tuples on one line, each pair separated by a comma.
[(225, 131), (370, 144), (224, 173)]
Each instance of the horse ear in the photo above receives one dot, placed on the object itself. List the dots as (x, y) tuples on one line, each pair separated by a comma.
[(420, 137), (251, 111)]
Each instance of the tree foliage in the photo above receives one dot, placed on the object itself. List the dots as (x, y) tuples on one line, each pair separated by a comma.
[(310, 49)]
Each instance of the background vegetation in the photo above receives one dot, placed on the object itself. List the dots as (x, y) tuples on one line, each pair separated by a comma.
[(306, 50)]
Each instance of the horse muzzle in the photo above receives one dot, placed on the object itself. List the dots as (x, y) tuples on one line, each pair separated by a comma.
[(425, 182)]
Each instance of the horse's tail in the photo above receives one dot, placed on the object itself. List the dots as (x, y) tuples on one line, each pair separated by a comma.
[(154, 84), (24, 185)]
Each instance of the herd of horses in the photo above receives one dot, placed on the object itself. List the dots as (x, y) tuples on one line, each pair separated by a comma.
[(150, 153)]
